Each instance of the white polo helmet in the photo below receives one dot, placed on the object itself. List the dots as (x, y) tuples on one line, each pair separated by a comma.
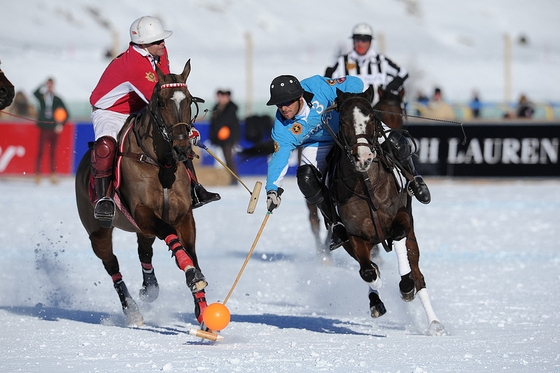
[(362, 29), (146, 30)]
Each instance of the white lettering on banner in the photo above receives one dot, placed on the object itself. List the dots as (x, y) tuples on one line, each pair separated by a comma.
[(428, 152), (504, 151), (7, 155)]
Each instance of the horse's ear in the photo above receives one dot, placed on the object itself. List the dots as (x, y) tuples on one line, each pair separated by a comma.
[(339, 93), (186, 71), (160, 74)]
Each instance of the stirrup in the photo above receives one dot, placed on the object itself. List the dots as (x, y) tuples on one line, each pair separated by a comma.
[(105, 211), (339, 236)]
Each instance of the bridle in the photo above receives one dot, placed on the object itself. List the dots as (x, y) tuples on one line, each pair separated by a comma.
[(166, 129)]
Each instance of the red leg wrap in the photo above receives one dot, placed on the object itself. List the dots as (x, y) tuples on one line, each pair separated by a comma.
[(116, 277), (200, 304), (182, 259)]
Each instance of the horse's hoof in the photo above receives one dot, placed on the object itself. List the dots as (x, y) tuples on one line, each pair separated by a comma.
[(132, 313), (150, 288), (149, 293), (436, 329), (195, 279), (406, 286), (376, 306)]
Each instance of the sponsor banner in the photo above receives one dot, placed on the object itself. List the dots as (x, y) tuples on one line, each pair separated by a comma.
[(19, 148), (487, 149)]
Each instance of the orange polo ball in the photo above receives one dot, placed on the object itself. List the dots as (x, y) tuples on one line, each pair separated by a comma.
[(60, 115), (223, 133), (216, 316)]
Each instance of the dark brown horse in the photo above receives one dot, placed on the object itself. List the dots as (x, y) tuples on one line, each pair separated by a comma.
[(6, 91), (391, 111), (154, 196), (372, 205)]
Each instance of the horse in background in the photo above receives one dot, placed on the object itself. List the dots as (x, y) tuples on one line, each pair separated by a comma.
[(153, 193), (372, 205), (7, 91)]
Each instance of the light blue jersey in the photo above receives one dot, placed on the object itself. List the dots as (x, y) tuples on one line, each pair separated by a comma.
[(306, 128)]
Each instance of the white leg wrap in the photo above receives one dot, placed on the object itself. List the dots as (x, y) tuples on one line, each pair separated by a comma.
[(402, 257), (425, 298)]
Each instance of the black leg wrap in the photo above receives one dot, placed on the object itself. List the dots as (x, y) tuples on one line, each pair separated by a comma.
[(129, 306), (406, 287), (150, 287), (376, 306), (195, 279)]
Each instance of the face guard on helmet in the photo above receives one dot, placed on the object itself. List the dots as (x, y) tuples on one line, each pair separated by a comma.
[(362, 30), (284, 88), (146, 30)]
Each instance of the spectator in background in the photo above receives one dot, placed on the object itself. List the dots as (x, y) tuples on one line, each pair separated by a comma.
[(525, 108), (475, 105), (224, 128), (375, 70), (437, 107), (51, 119)]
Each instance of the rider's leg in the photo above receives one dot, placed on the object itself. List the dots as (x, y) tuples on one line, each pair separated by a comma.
[(200, 195), (404, 147), (102, 160), (318, 194)]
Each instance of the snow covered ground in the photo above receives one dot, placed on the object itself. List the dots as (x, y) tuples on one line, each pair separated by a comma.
[(489, 252)]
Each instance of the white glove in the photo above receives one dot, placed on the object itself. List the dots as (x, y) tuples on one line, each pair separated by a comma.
[(273, 199), (194, 136)]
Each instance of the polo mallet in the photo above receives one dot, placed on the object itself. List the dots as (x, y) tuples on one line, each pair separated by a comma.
[(256, 190), (216, 337)]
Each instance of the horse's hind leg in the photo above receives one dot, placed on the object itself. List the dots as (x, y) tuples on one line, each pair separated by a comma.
[(101, 242), (315, 222), (150, 288)]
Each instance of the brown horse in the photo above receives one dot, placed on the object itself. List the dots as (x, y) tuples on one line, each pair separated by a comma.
[(6, 91), (154, 196), (372, 205)]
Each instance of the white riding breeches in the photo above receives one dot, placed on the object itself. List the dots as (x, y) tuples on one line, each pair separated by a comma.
[(107, 123), (316, 155)]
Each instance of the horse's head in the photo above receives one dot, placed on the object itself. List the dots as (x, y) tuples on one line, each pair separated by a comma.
[(170, 110), (390, 107), (357, 129)]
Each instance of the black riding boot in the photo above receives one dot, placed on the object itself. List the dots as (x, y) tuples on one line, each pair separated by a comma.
[(417, 186), (318, 194), (104, 210), (200, 196), (404, 147)]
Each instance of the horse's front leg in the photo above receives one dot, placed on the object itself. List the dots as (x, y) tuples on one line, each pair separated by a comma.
[(181, 243), (150, 288), (186, 228), (360, 250)]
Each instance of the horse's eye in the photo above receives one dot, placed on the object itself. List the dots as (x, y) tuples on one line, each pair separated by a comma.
[(161, 104)]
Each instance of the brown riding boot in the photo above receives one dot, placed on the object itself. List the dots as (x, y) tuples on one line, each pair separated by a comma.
[(102, 159)]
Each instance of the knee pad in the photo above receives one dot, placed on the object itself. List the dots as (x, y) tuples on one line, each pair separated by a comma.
[(103, 156), (403, 145), (309, 184)]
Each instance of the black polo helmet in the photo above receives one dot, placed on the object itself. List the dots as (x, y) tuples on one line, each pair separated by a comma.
[(284, 88)]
